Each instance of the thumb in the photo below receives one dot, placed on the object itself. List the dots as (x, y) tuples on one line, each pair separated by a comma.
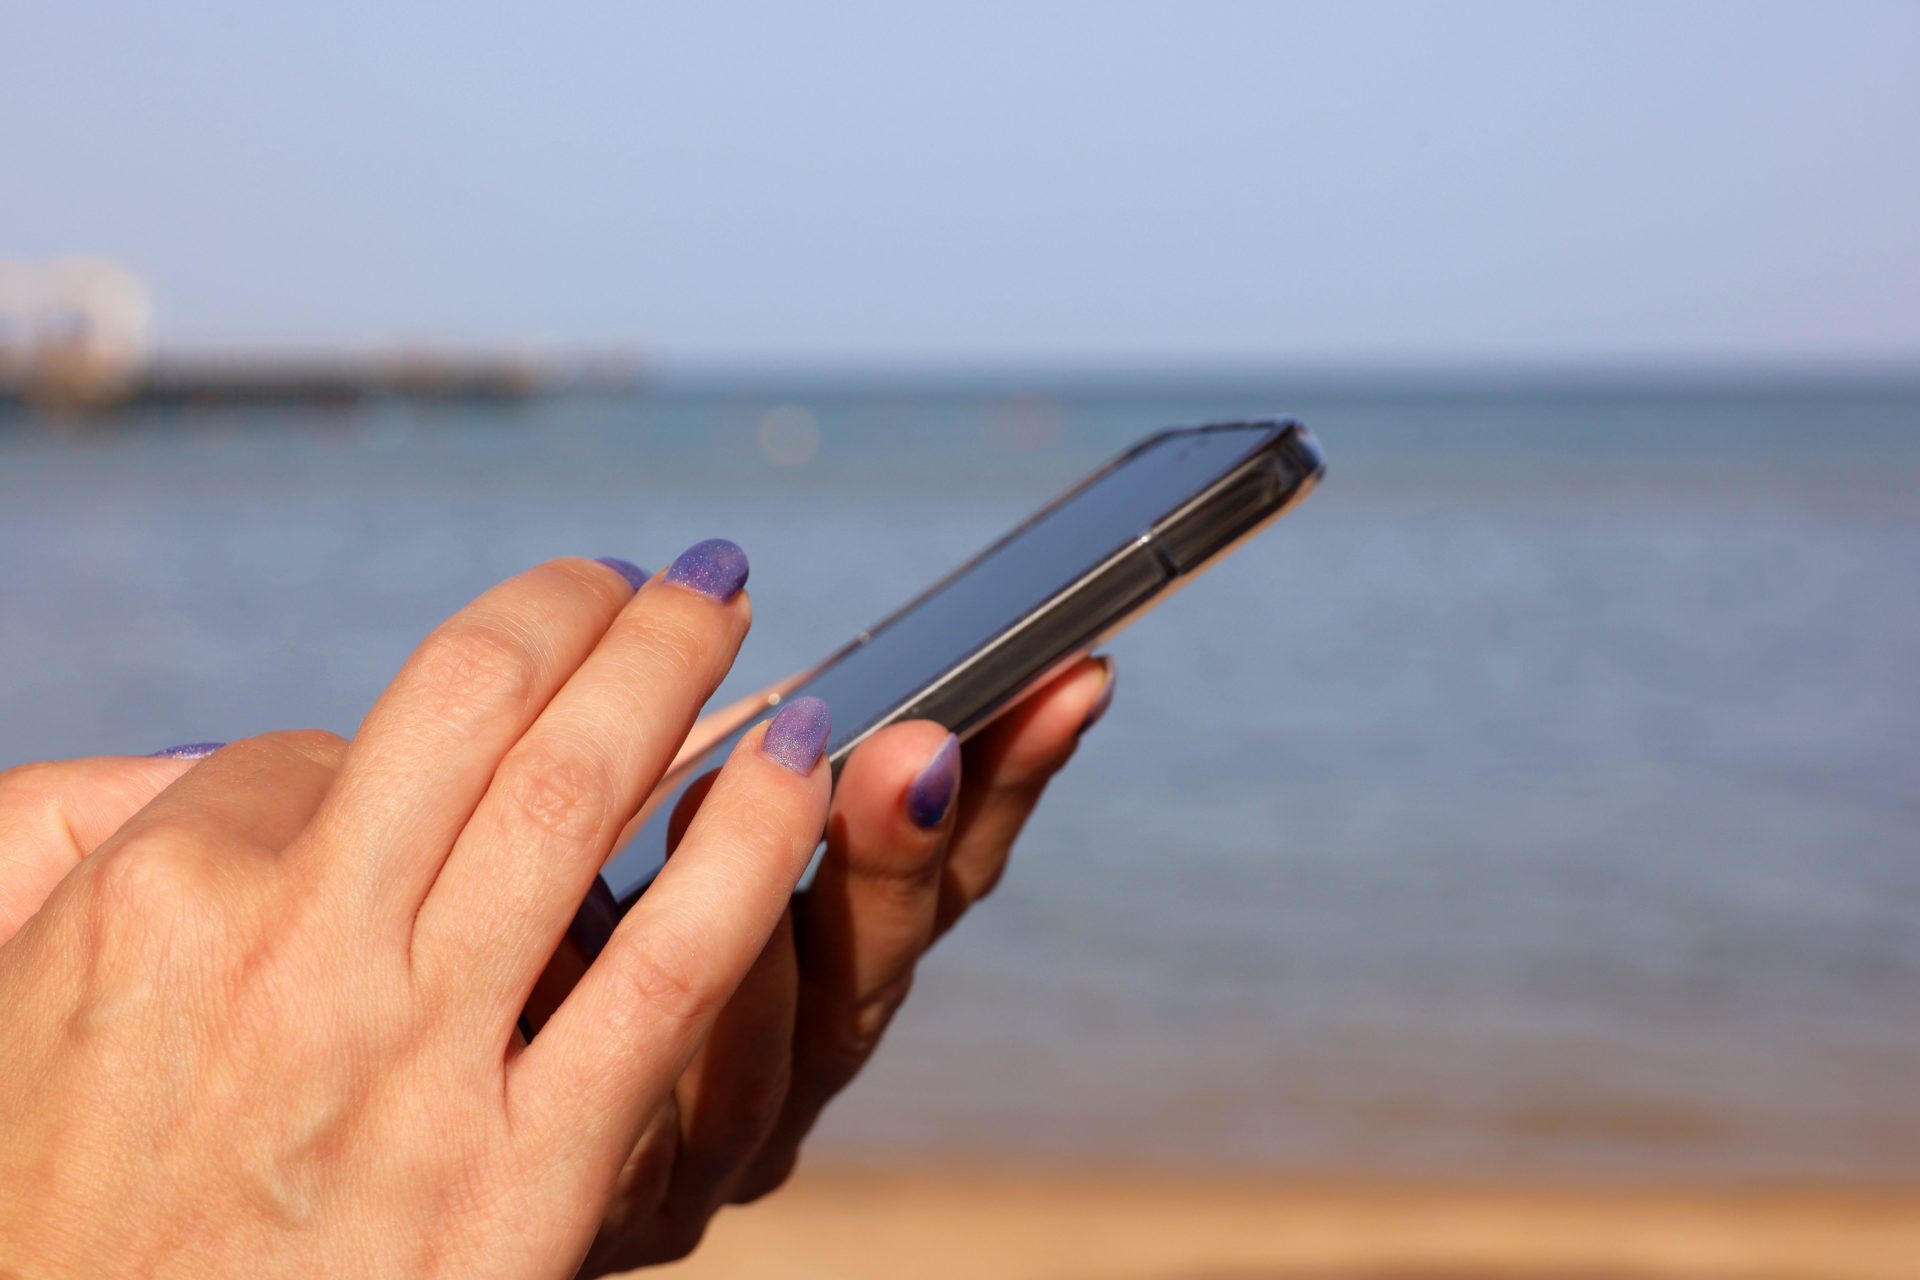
[(53, 814)]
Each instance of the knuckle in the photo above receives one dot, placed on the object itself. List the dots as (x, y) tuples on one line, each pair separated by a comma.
[(966, 884), (754, 1105), (678, 1237), (585, 579), (755, 823), (766, 1177), (909, 870), (1022, 777), (30, 797), (27, 782), (159, 883), (473, 662), (662, 972), (558, 793), (159, 866), (859, 1035), (678, 646), (989, 884), (748, 832)]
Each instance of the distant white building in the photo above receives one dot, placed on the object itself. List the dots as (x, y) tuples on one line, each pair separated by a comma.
[(76, 327)]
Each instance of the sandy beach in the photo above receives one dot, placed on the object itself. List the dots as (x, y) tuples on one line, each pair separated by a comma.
[(849, 1223)]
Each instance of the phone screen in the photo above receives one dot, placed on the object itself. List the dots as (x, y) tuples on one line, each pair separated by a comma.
[(883, 670)]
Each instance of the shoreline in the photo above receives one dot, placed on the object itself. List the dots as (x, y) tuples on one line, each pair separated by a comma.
[(932, 1221)]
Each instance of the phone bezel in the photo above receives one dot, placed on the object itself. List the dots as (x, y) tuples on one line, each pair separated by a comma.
[(1280, 466), (1275, 472)]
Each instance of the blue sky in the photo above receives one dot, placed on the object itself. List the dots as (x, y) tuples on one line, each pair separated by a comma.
[(887, 184)]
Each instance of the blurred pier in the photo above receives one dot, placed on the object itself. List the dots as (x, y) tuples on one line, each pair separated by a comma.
[(75, 338), (78, 386)]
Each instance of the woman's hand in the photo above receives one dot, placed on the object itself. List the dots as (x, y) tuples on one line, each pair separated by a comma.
[(268, 1022), (910, 847), (270, 1015)]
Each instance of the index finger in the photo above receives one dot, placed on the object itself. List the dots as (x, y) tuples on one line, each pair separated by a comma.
[(605, 1060)]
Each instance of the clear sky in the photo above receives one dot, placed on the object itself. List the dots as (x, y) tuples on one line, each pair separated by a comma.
[(887, 183)]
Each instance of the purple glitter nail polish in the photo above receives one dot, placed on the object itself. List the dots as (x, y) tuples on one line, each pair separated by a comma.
[(187, 751), (798, 734), (1105, 700), (636, 576), (715, 567), (931, 793)]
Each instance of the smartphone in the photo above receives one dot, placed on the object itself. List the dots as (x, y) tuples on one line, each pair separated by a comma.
[(1063, 581)]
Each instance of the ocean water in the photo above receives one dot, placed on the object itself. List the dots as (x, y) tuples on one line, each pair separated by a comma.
[(1541, 796)]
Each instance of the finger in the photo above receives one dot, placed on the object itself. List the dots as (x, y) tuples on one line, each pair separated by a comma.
[(611, 1053), (708, 732), (54, 814), (1009, 765), (867, 917), (626, 1240), (716, 725), (593, 923), (587, 933), (259, 793), (686, 807), (734, 1091), (425, 753), (870, 910), (722, 1110), (536, 842)]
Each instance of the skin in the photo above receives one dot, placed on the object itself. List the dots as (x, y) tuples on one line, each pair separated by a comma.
[(261, 1007)]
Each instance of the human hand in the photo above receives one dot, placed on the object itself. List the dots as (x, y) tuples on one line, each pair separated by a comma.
[(909, 850), (270, 1018)]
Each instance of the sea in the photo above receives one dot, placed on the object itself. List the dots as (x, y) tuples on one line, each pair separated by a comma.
[(1541, 797)]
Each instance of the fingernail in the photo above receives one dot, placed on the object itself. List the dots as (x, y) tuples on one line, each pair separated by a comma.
[(636, 576), (1105, 700), (798, 734), (187, 751), (715, 567), (931, 794)]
